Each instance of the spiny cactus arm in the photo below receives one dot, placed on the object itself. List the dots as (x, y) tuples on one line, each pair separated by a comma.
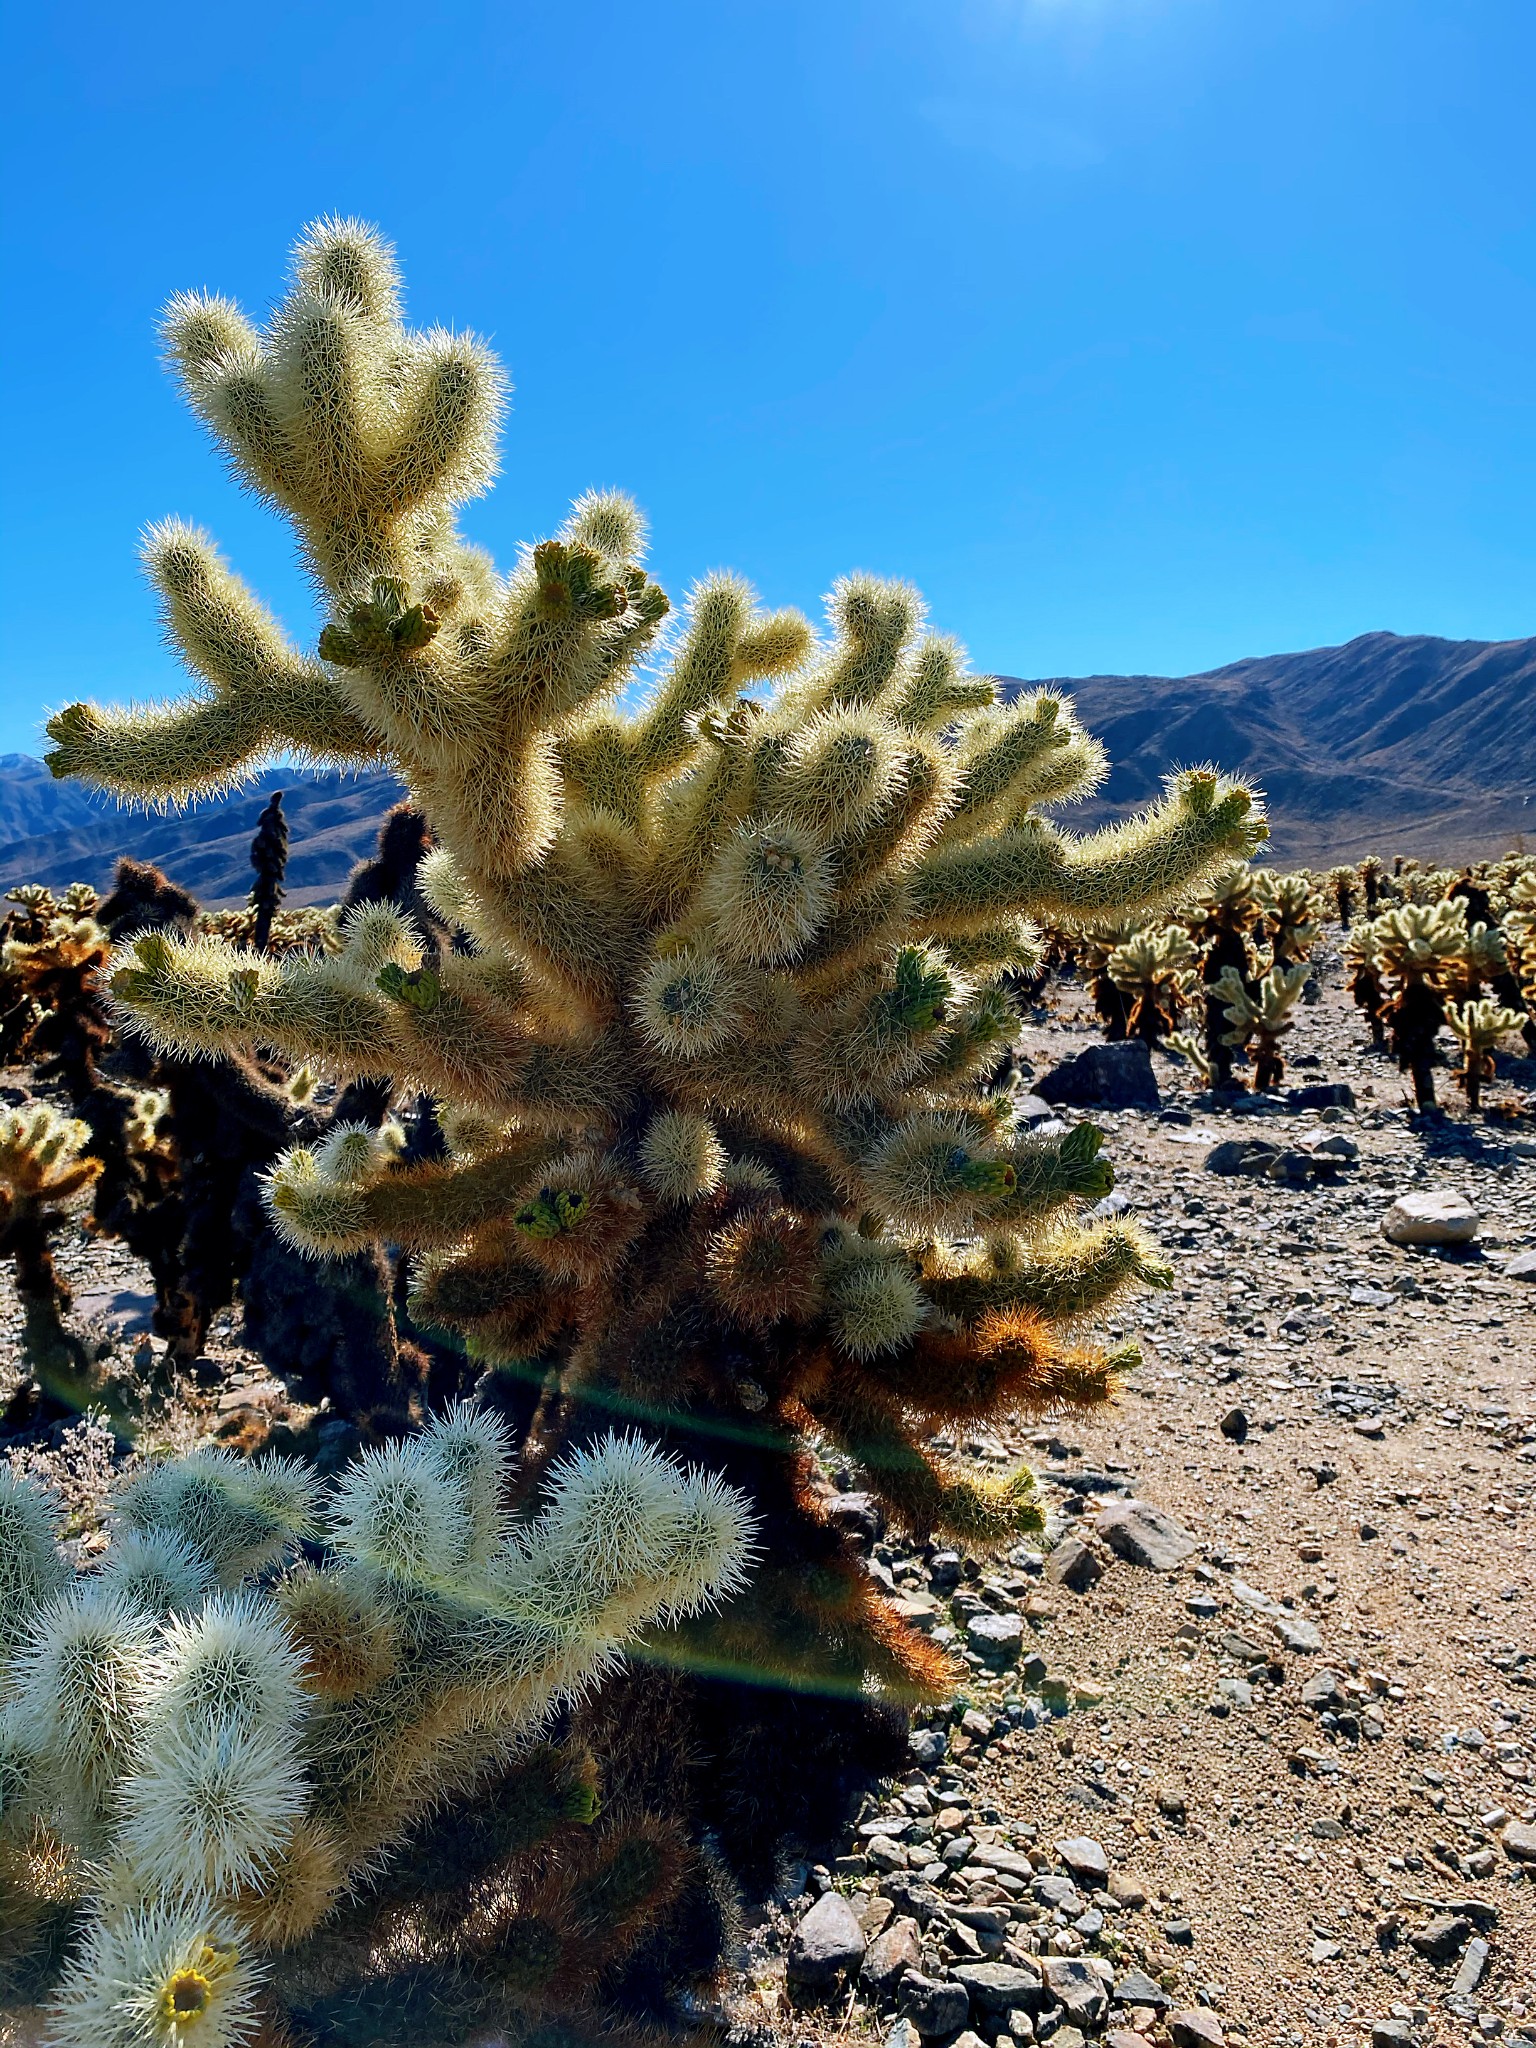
[(1018, 756), (331, 1202), (726, 643), (872, 620), (1008, 1362), (918, 1491), (240, 1516), (1018, 945), (265, 696), (1072, 1274), (162, 1975), (1138, 864), (1050, 1172), (201, 995), (31, 1567), (936, 688)]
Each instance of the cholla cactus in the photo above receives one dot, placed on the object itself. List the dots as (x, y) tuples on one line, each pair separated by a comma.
[(44, 1172), (1093, 949), (1479, 1025), (1342, 884), (1372, 877), (1418, 942), (707, 1054), (229, 1766), (1261, 1016), (1290, 915), (1366, 988), (269, 857), (1157, 967)]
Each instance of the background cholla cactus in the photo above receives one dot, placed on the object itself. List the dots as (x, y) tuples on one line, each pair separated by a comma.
[(1366, 987), (308, 1803), (1479, 1024), (1290, 915), (44, 1172), (1417, 942), (1343, 884), (1261, 1018), (1157, 968), (1221, 921), (269, 857), (706, 1052)]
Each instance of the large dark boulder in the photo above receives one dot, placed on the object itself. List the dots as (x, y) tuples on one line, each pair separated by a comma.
[(1117, 1076)]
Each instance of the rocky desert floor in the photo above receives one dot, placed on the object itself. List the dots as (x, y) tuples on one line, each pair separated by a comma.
[(1248, 1749)]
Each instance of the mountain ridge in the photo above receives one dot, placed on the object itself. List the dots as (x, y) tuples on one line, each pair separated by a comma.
[(1390, 743)]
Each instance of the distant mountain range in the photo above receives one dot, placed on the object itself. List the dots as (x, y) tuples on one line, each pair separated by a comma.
[(1390, 744), (62, 832)]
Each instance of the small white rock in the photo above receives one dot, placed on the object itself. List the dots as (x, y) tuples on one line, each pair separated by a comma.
[(1438, 1216)]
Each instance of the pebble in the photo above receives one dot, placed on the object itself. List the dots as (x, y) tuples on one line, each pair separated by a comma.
[(1437, 1216), (1085, 1858), (827, 1944), (935, 2005), (1196, 2029), (997, 1638), (1519, 1842), (1234, 1425), (892, 1953), (1074, 1565), (1144, 1535), (1077, 1987)]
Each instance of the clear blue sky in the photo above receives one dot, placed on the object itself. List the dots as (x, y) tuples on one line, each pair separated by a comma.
[(1139, 333)]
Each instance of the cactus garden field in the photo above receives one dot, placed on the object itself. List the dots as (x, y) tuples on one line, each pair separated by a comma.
[(758, 1395)]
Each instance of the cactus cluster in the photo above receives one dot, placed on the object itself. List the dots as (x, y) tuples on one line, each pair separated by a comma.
[(235, 1788), (1234, 951)]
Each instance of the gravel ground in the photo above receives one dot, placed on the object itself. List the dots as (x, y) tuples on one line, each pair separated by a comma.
[(1306, 1748)]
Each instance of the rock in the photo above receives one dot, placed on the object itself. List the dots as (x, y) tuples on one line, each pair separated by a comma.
[(1323, 1689), (968, 2040), (1144, 1535), (1470, 1972), (1172, 1805), (1519, 1842), (996, 1637), (934, 2006), (828, 1942), (1127, 1891), (903, 2035), (1393, 2034), (1086, 1860), (891, 1955), (1521, 1267), (1009, 1861), (860, 1514), (1441, 1939), (882, 1854), (1125, 2037), (1241, 1155), (1073, 1565), (1179, 1933), (1118, 1076), (928, 1747), (1077, 1987), (1137, 1988), (997, 1987), (1335, 1146), (1030, 1109), (1437, 1216), (1196, 2029), (1070, 2037), (1234, 1425), (1321, 1095), (1297, 1633), (1050, 1890)]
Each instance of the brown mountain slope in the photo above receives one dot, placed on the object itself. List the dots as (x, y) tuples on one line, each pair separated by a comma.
[(1389, 744)]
